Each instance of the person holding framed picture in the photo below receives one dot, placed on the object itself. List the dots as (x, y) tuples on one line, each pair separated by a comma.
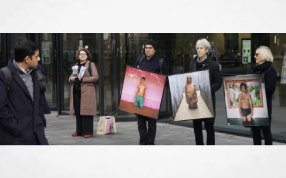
[(264, 59), (204, 61)]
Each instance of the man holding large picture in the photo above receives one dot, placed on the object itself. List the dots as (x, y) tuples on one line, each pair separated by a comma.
[(151, 63)]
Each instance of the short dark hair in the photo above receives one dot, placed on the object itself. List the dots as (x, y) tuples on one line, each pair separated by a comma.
[(143, 78), (89, 56), (243, 84), (25, 48)]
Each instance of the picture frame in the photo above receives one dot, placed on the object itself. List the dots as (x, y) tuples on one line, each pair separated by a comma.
[(191, 96), (248, 82), (142, 92), (245, 100)]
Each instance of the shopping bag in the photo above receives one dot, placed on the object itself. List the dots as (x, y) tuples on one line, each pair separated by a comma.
[(106, 125)]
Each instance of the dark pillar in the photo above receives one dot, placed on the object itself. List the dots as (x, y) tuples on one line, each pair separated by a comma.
[(117, 47), (8, 48), (101, 74), (59, 59), (127, 58), (113, 72)]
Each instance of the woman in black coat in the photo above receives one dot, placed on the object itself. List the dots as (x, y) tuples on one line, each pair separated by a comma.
[(203, 61), (264, 59)]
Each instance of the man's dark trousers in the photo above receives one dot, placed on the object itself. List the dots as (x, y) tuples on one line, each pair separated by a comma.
[(147, 137)]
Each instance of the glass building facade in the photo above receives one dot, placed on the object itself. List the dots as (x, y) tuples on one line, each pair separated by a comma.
[(112, 52)]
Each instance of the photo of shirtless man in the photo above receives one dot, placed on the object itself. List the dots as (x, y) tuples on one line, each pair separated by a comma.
[(140, 93), (245, 104)]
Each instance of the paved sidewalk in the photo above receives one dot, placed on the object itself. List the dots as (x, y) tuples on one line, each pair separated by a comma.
[(60, 128)]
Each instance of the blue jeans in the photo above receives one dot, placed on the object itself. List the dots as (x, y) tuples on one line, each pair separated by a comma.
[(139, 101)]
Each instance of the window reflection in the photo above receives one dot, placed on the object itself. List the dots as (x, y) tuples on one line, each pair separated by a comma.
[(48, 63)]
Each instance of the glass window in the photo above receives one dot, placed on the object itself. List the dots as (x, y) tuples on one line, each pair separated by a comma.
[(108, 89), (277, 44), (16, 38), (49, 64)]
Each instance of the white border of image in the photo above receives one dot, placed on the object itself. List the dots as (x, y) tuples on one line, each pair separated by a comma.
[(127, 16)]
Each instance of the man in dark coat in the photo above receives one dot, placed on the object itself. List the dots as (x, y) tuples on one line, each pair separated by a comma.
[(21, 119), (150, 62)]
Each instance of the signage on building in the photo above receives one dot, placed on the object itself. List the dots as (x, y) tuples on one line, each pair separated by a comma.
[(246, 51), (46, 46), (80, 42)]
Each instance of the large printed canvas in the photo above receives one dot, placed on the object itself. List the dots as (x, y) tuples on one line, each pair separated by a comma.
[(142, 92), (191, 96), (245, 100)]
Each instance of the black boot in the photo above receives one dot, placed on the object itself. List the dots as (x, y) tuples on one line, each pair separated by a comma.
[(252, 122), (244, 123)]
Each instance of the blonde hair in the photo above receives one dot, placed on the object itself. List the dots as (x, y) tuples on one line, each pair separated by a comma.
[(265, 53)]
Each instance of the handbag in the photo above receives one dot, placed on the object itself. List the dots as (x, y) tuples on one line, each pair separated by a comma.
[(106, 125)]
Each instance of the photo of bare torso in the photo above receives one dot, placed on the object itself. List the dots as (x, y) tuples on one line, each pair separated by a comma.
[(245, 104), (141, 90), (244, 99)]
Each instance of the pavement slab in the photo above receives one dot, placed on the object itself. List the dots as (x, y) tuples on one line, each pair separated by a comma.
[(60, 128)]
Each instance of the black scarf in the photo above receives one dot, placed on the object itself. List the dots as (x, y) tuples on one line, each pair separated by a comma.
[(259, 69), (200, 64)]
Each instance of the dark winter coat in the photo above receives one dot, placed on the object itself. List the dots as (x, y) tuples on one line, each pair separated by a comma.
[(215, 79), (21, 119), (152, 65), (270, 77)]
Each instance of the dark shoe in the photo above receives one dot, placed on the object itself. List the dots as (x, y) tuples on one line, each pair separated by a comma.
[(252, 122), (76, 134), (244, 123), (87, 136)]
